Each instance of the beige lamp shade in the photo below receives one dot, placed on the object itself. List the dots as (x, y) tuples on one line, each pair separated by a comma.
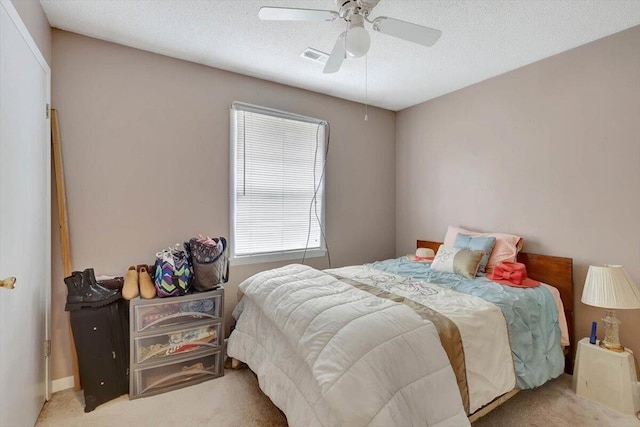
[(609, 286)]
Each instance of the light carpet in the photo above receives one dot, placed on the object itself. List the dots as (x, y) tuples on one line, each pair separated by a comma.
[(236, 400)]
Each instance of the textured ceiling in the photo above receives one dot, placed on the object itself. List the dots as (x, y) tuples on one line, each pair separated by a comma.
[(480, 39)]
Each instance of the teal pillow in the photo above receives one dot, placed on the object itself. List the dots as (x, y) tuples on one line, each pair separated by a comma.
[(484, 244)]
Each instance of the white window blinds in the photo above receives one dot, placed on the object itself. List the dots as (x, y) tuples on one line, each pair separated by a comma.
[(277, 167)]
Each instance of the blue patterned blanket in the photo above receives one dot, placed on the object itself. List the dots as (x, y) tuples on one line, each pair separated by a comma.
[(531, 314)]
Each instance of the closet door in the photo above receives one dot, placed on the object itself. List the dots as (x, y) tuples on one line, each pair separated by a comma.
[(25, 231)]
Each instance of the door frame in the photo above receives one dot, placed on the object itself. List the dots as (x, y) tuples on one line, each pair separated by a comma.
[(24, 32)]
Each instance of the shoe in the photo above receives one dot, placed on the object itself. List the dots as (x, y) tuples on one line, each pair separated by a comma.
[(114, 283), (147, 289), (85, 292), (130, 290)]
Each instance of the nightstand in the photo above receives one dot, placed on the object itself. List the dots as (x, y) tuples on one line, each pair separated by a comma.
[(606, 377)]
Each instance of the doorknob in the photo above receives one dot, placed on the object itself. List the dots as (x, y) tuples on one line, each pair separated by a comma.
[(9, 283)]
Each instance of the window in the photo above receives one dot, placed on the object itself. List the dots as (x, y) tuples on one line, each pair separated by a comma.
[(277, 185)]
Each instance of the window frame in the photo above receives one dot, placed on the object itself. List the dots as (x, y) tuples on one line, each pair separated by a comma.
[(272, 256)]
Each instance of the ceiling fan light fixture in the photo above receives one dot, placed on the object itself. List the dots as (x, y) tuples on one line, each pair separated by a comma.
[(358, 39), (354, 42)]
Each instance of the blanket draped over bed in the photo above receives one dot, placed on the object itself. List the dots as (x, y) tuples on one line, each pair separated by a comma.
[(486, 353), (327, 353), (447, 331), (531, 314)]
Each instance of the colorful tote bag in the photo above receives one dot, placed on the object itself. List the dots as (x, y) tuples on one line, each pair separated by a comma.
[(172, 273)]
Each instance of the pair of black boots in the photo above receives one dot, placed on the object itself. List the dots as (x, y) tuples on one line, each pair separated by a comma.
[(85, 292)]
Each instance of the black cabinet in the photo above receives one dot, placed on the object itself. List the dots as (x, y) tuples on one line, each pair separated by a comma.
[(101, 336)]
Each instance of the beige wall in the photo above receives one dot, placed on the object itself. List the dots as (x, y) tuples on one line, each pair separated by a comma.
[(134, 122), (550, 151), (35, 20)]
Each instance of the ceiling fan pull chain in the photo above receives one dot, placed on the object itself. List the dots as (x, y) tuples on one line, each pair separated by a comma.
[(346, 34), (366, 87)]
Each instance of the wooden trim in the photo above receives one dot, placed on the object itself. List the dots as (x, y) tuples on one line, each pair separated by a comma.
[(492, 405), (56, 149), (62, 384), (552, 270), (61, 192)]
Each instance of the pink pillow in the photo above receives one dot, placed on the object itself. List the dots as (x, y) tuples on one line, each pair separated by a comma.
[(506, 248)]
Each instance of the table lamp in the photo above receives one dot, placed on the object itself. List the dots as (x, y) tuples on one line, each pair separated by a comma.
[(610, 287)]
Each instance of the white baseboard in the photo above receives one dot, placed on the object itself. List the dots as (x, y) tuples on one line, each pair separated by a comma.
[(61, 384)]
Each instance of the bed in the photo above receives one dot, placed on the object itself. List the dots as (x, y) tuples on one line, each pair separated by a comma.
[(360, 345)]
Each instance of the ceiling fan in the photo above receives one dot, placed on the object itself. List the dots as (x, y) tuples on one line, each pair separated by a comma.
[(355, 41)]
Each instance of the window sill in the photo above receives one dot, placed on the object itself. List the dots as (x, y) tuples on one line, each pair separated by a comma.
[(273, 257)]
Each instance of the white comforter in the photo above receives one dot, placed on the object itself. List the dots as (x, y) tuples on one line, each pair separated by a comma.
[(327, 353), (482, 327)]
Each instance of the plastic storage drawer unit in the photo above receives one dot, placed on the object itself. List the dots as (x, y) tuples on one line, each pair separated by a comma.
[(175, 342)]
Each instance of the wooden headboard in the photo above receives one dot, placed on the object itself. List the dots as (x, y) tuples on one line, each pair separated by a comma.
[(554, 271)]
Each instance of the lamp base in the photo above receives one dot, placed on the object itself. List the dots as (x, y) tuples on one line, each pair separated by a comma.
[(611, 327), (613, 347)]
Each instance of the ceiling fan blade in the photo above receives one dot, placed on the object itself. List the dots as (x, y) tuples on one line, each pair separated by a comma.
[(337, 56), (292, 14), (406, 30)]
